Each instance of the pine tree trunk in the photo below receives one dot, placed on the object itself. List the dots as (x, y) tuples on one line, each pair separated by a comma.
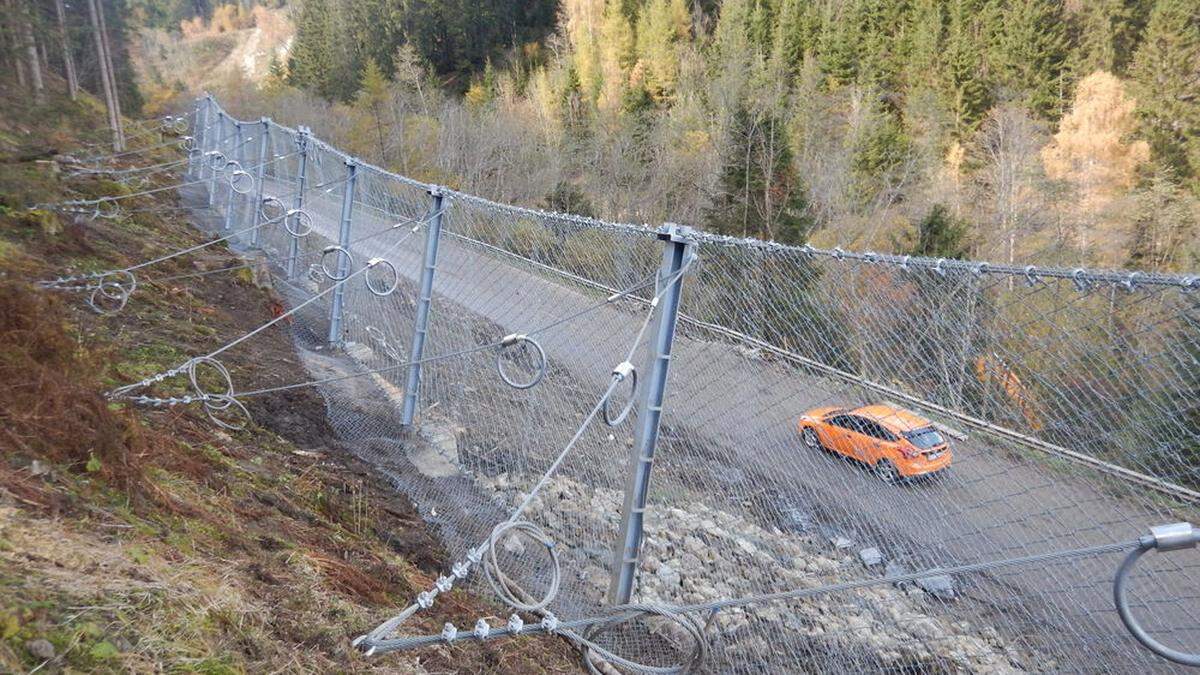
[(68, 61), (112, 73), (33, 61), (105, 83)]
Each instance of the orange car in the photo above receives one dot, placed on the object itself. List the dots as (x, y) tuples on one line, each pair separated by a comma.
[(895, 442)]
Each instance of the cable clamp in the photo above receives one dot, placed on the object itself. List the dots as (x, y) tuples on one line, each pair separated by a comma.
[(550, 623), (623, 370), (1175, 537), (510, 340), (1079, 276), (425, 599), (482, 629), (475, 555), (444, 584), (460, 570), (449, 632), (515, 624)]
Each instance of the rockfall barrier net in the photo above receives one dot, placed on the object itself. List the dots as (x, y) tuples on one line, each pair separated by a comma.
[(1069, 399)]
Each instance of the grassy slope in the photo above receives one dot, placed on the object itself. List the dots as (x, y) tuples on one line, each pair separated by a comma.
[(149, 540)]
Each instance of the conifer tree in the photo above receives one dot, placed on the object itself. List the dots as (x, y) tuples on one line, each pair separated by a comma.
[(964, 87), (939, 235), (926, 41), (839, 44), (1031, 54), (316, 63), (761, 194), (661, 25), (617, 55), (1166, 71), (371, 102), (797, 26)]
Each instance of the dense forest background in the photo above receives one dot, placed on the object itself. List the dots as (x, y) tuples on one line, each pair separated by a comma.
[(1050, 131)]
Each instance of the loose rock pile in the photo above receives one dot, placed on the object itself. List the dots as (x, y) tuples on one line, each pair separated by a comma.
[(700, 554)]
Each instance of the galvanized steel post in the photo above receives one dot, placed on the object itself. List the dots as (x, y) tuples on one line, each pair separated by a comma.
[(212, 180), (195, 148), (231, 194), (343, 264), (433, 235), (628, 547), (294, 245), (264, 146)]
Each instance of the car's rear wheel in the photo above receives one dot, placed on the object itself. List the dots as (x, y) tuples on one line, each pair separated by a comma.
[(809, 435), (887, 472)]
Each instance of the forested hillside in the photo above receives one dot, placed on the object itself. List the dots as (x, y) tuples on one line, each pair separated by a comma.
[(1024, 130)]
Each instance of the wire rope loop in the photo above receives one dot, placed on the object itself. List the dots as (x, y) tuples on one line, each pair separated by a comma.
[(108, 209), (231, 166), (214, 405), (511, 341), (333, 276), (1121, 600), (111, 292), (695, 657), (187, 144), (216, 160), (301, 220), (507, 589), (620, 373), (272, 208), (243, 179), (193, 373), (384, 291), (108, 297), (135, 182), (180, 125), (380, 341)]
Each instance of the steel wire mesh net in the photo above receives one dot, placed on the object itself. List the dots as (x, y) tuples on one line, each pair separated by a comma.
[(1069, 401)]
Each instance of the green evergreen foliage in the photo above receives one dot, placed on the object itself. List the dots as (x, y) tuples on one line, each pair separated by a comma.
[(568, 198), (456, 37), (318, 60), (1166, 76), (797, 29), (881, 148), (939, 235), (761, 195), (964, 88), (1030, 54)]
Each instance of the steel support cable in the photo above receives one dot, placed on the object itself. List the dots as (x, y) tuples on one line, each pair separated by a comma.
[(127, 153), (115, 198), (123, 391), (129, 171), (256, 263), (71, 283), (1163, 538), (505, 588), (325, 187), (372, 640), (449, 355)]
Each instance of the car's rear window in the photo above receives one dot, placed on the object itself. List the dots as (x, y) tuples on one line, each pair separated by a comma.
[(925, 438)]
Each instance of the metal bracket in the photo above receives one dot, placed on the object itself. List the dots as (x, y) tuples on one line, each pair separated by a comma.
[(1174, 537)]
